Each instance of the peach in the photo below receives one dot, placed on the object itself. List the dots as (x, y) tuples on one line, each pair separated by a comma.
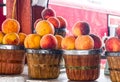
[(84, 42), (48, 41), (44, 27), (1, 37), (22, 37), (32, 41), (10, 25), (68, 43), (59, 40), (63, 22), (112, 44), (47, 12), (54, 21), (35, 23), (97, 41), (11, 39), (80, 28)]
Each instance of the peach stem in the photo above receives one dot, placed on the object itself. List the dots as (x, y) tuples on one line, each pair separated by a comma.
[(13, 11)]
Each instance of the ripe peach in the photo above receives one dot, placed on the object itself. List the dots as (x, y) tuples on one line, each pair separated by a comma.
[(1, 37), (47, 12), (44, 27), (22, 37), (59, 40), (68, 43), (63, 22), (32, 41), (112, 44), (48, 41), (97, 41), (35, 23), (10, 25), (84, 42), (54, 21), (11, 38), (80, 28)]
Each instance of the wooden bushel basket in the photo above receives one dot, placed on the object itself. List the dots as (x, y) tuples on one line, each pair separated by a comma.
[(113, 59), (12, 59), (82, 65), (43, 64)]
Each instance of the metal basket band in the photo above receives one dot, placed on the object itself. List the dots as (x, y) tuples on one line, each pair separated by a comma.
[(45, 65), (114, 69), (41, 51), (112, 53), (11, 47), (82, 67), (11, 61), (83, 52)]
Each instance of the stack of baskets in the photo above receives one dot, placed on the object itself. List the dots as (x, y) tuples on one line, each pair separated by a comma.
[(12, 58), (113, 59), (43, 64), (82, 64)]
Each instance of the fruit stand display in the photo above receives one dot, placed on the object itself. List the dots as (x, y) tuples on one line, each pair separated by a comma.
[(45, 48)]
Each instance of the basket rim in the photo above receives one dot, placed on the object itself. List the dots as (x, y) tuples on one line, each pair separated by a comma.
[(83, 52), (44, 51), (109, 53), (11, 47)]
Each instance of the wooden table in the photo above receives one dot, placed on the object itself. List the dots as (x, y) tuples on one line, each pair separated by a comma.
[(62, 77)]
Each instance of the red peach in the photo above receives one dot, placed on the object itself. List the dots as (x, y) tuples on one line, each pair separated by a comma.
[(97, 41), (112, 44), (80, 28), (47, 12), (48, 41)]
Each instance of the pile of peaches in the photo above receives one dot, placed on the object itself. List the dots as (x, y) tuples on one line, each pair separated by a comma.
[(11, 34), (45, 37)]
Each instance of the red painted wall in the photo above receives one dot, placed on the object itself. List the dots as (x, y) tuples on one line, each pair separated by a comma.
[(2, 17), (96, 20)]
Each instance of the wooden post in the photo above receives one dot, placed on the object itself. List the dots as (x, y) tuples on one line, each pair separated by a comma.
[(22, 12)]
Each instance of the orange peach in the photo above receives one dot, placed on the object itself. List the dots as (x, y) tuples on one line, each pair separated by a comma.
[(47, 12), (63, 22), (48, 41), (32, 41), (84, 42), (59, 40), (97, 41), (80, 28), (1, 37), (68, 43), (54, 21), (11, 38), (112, 44), (44, 27), (10, 25), (22, 37)]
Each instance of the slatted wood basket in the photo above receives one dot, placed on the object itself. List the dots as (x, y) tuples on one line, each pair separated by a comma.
[(43, 64), (113, 59), (82, 65), (12, 59)]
